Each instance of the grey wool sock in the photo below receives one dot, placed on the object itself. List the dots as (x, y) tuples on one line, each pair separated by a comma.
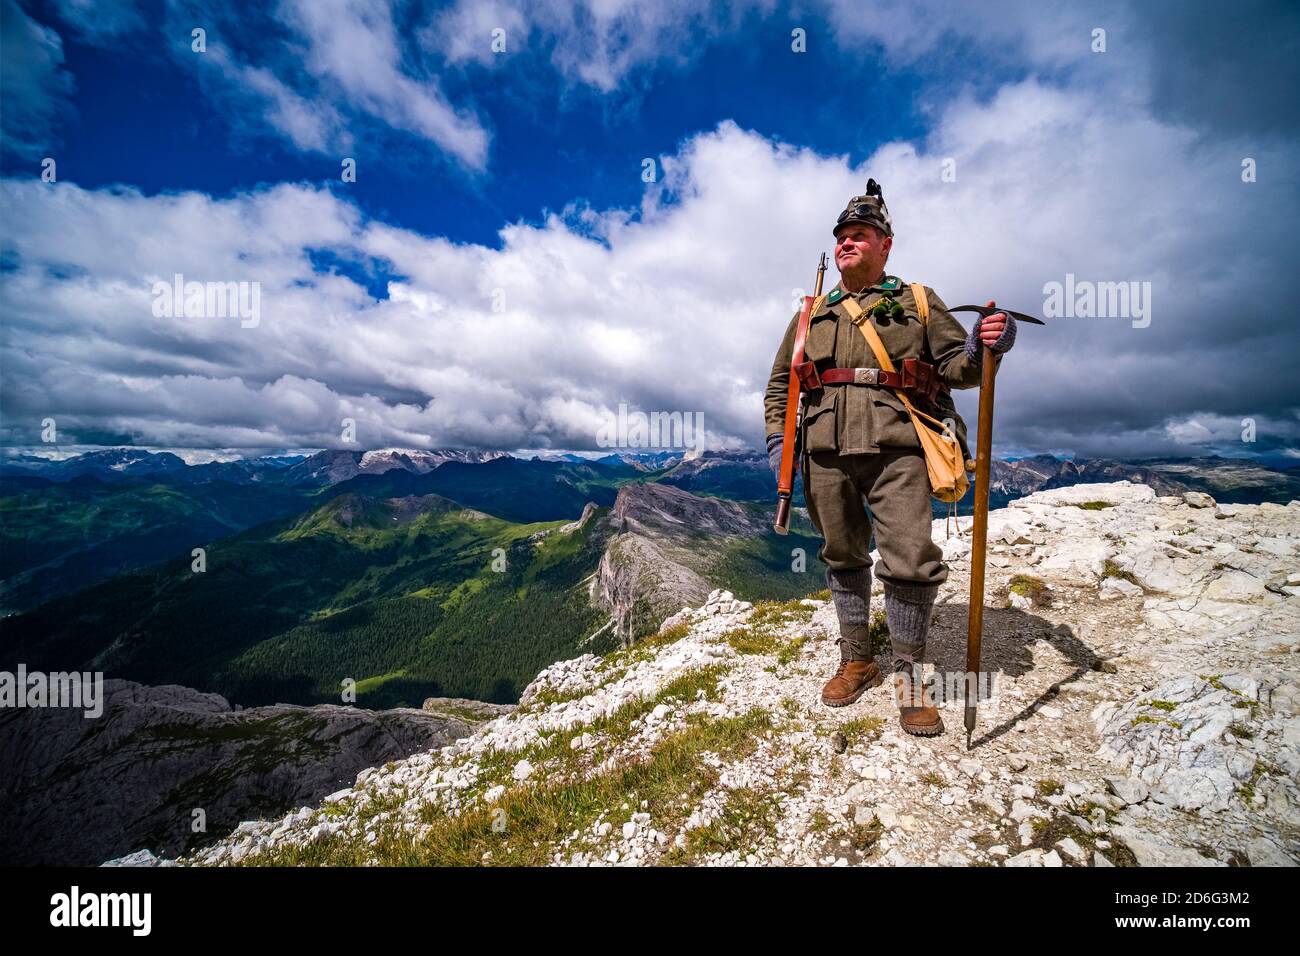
[(851, 592), (907, 609)]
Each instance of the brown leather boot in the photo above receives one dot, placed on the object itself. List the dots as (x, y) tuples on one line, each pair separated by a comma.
[(916, 710), (851, 681)]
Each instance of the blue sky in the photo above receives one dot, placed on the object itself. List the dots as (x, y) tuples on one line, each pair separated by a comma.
[(145, 119), (500, 274)]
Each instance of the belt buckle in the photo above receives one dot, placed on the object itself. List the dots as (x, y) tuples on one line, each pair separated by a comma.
[(865, 376)]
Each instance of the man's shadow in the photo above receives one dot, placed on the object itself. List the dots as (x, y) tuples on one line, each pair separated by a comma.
[(1005, 650)]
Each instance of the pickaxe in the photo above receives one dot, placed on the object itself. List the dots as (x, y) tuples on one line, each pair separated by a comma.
[(980, 531)]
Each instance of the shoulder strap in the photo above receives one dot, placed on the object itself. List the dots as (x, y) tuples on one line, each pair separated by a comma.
[(868, 331), (922, 303), (861, 320)]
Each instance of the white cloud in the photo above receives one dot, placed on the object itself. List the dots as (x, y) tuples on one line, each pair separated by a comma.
[(101, 19), (312, 125), (678, 305), (352, 46), (592, 42), (340, 64)]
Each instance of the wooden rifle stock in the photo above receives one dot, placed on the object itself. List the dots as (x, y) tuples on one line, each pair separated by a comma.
[(793, 409)]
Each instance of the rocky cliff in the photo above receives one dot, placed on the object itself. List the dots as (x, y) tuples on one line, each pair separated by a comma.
[(76, 791), (662, 543), (1146, 711)]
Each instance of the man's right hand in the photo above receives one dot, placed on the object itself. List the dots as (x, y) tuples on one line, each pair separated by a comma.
[(775, 442)]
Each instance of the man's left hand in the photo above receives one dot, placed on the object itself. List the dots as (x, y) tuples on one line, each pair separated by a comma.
[(997, 332), (991, 328)]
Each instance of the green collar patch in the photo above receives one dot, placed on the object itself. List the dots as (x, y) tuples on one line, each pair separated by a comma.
[(888, 284)]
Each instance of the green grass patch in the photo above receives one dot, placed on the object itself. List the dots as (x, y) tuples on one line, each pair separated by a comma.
[(861, 729), (553, 753), (746, 640), (1095, 505), (645, 648), (748, 819), (789, 652), (1028, 586), (1048, 833), (548, 696), (1109, 569), (1262, 768), (863, 837), (1148, 719), (525, 825), (767, 613), (369, 684)]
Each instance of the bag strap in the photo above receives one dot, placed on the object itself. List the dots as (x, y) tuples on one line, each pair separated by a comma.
[(860, 319)]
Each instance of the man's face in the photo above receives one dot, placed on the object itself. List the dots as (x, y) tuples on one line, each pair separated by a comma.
[(860, 248)]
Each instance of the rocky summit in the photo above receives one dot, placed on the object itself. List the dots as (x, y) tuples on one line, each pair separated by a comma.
[(1142, 708)]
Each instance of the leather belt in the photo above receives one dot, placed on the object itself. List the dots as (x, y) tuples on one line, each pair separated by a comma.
[(919, 378), (861, 376)]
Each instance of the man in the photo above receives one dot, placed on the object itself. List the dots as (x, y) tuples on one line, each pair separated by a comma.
[(859, 443)]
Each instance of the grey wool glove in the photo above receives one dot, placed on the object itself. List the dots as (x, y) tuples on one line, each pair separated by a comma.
[(775, 442), (1003, 344)]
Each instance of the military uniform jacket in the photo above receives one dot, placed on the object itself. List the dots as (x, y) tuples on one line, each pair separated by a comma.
[(863, 419)]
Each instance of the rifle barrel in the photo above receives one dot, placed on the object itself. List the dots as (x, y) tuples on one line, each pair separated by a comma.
[(793, 415)]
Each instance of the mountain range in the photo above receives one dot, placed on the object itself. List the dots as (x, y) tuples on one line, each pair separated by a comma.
[(415, 574), (1230, 480), (381, 582)]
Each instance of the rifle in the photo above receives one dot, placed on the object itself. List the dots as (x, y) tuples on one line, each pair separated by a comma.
[(794, 409)]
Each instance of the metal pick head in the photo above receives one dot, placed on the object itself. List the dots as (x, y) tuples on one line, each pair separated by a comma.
[(985, 311)]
